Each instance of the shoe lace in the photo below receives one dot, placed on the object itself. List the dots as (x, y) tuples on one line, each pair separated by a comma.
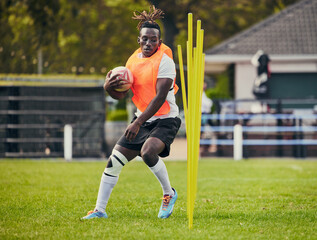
[(166, 201), (90, 212)]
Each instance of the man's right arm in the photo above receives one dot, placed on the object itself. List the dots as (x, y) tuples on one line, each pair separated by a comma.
[(111, 83)]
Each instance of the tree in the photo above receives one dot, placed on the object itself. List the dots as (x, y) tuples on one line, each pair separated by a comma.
[(91, 37), (220, 19)]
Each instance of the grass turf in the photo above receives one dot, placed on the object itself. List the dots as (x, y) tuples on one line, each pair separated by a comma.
[(253, 199)]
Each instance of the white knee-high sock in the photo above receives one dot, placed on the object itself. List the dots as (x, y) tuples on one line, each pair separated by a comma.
[(160, 171), (107, 183)]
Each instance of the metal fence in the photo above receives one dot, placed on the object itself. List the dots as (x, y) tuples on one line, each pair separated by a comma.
[(32, 121)]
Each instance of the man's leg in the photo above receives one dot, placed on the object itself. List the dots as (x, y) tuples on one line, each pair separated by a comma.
[(149, 152), (119, 157)]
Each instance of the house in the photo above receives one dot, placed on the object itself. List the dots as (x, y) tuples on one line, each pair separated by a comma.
[(290, 40)]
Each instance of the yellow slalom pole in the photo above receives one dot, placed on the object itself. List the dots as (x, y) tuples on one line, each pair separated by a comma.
[(197, 67), (189, 135), (181, 71), (190, 45), (200, 81), (189, 141), (202, 67), (192, 108), (192, 136)]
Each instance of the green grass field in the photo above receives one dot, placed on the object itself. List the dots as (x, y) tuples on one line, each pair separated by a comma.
[(252, 199)]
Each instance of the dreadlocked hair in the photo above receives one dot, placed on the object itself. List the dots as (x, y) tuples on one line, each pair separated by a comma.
[(148, 19)]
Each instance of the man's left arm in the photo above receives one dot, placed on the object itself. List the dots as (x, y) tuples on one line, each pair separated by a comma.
[(163, 85)]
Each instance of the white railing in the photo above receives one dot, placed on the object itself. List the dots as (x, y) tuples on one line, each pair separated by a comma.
[(302, 125)]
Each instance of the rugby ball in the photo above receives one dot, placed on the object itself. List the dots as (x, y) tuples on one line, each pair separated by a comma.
[(126, 77)]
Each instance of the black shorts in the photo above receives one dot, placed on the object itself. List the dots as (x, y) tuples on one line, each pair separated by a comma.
[(163, 129)]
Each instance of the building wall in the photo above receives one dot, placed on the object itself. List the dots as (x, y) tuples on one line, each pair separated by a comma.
[(245, 74)]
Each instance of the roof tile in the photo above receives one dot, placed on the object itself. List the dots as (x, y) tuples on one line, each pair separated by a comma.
[(293, 31)]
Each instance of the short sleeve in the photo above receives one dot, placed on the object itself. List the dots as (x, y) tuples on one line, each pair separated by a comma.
[(167, 68)]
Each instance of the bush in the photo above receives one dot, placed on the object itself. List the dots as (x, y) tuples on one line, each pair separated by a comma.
[(221, 91), (117, 115)]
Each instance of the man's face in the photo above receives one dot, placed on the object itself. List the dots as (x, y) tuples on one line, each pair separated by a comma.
[(149, 41)]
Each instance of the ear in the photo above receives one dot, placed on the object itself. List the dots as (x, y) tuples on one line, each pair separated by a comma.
[(138, 40), (160, 42)]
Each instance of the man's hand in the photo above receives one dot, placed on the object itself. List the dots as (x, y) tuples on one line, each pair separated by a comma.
[(111, 83), (132, 130)]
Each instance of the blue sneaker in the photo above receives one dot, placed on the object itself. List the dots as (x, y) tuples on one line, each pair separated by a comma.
[(95, 214), (167, 205)]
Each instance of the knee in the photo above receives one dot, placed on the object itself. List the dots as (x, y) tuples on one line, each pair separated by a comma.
[(149, 157), (115, 163)]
